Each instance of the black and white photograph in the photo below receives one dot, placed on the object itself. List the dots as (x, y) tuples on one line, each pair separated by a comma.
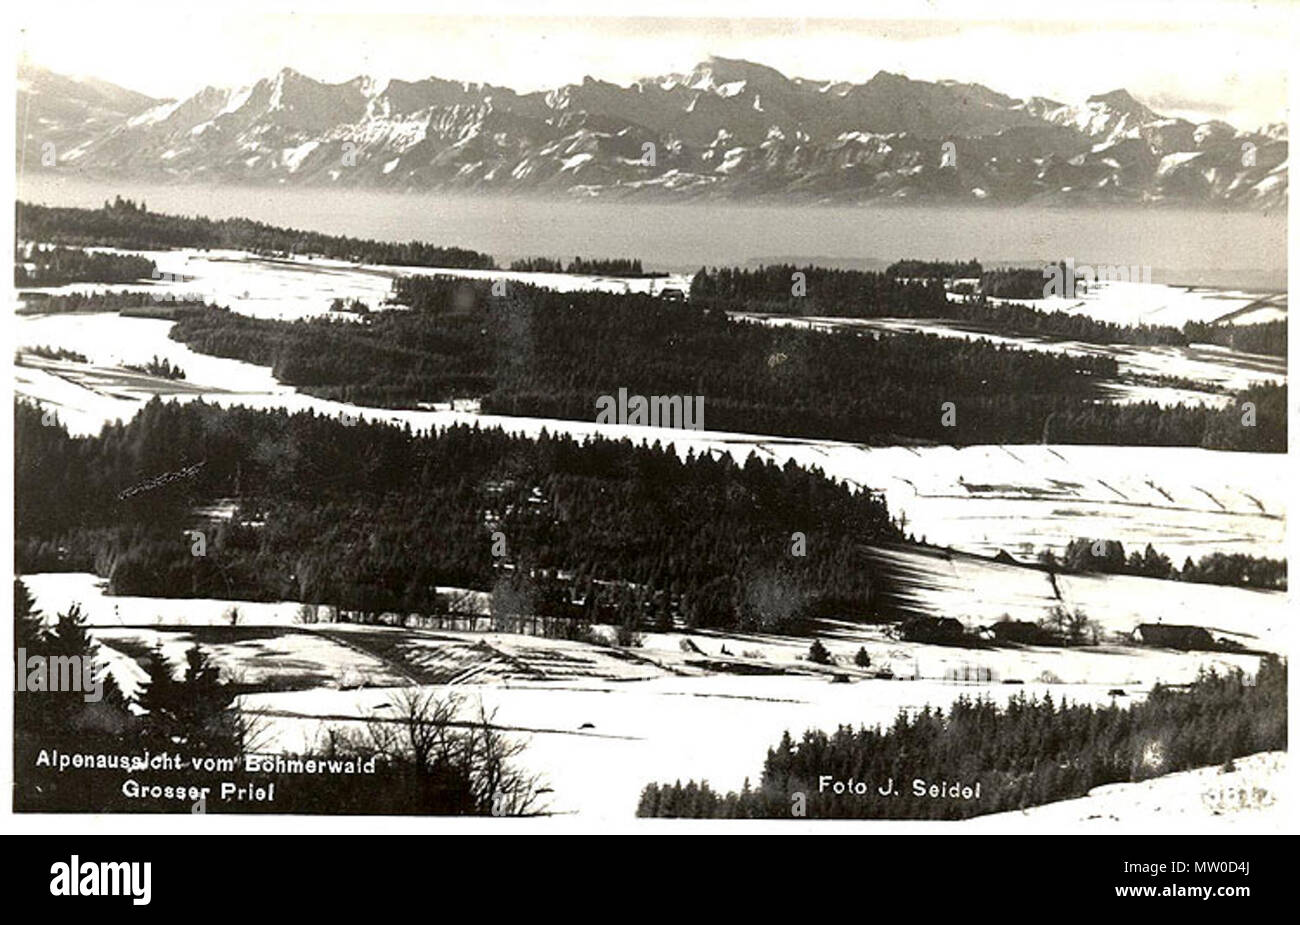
[(613, 418)]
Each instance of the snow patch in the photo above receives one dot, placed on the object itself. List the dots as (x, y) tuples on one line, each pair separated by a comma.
[(293, 157), (731, 160), (155, 115), (237, 100), (573, 163), (1170, 161)]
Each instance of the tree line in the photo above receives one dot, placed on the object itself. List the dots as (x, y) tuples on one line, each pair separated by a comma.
[(935, 269), (1267, 337), (595, 266), (921, 294), (1017, 283), (1236, 569), (52, 353), (57, 265), (128, 304), (122, 223), (157, 366), (1030, 752)]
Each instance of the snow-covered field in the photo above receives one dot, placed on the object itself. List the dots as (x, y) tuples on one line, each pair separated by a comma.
[(979, 592), (304, 287), (1206, 798), (55, 592), (715, 728), (600, 723), (1132, 302)]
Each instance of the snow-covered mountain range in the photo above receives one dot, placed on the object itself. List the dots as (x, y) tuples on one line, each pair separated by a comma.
[(726, 129)]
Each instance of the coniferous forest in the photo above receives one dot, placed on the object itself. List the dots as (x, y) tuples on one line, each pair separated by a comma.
[(1084, 554), (549, 354), (124, 223), (935, 269), (55, 266), (912, 289), (372, 518), (598, 266), (1266, 337)]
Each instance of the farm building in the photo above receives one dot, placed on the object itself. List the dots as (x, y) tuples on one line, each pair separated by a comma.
[(932, 629), (1021, 631), (1174, 636)]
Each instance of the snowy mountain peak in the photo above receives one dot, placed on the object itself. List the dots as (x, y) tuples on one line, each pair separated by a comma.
[(1124, 102)]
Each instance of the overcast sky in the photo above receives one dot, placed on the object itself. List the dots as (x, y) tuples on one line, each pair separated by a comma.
[(1198, 58)]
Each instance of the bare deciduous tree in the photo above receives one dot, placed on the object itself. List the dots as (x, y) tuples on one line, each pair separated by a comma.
[(425, 729)]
